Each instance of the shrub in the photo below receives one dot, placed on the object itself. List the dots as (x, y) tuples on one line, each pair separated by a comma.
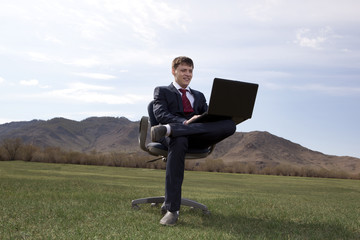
[(11, 148), (27, 152), (14, 149), (213, 165), (3, 156)]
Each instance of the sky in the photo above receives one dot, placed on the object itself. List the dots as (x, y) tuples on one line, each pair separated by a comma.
[(82, 58)]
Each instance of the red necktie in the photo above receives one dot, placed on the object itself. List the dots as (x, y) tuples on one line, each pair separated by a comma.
[(186, 103)]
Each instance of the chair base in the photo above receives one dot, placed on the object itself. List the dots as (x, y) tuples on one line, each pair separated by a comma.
[(161, 199)]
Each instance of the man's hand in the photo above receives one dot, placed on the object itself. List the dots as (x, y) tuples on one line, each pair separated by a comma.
[(191, 119)]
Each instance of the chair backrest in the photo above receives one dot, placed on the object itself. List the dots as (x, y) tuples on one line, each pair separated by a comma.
[(152, 119)]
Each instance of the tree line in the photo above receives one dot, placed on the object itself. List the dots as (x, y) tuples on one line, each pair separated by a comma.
[(15, 149)]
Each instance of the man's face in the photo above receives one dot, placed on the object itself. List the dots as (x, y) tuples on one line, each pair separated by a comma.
[(183, 74)]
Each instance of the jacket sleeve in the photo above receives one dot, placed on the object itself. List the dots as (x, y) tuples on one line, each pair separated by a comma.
[(166, 107), (202, 105)]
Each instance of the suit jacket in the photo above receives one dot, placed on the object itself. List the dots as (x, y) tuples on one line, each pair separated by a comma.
[(168, 107)]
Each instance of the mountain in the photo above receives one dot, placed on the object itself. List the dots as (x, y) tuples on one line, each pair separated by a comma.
[(103, 134), (109, 134), (265, 149)]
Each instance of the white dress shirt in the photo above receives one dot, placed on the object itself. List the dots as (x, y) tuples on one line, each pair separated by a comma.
[(188, 93)]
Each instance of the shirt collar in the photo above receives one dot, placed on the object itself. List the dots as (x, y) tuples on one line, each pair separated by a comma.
[(177, 86)]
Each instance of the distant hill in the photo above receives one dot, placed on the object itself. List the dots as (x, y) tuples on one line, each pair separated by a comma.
[(265, 149), (103, 134), (109, 134)]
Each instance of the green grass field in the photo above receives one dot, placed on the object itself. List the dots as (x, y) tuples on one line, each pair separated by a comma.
[(56, 201)]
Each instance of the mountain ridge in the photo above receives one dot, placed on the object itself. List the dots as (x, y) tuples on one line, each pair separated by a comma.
[(110, 134)]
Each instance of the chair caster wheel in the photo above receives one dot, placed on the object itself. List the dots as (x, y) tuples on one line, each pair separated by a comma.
[(135, 207), (206, 212)]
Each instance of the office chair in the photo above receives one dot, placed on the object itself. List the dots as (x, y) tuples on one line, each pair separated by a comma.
[(161, 151)]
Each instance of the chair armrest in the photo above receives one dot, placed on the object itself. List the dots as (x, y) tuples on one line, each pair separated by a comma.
[(143, 130)]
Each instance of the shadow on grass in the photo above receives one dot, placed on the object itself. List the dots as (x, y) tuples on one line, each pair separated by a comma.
[(237, 226), (261, 228)]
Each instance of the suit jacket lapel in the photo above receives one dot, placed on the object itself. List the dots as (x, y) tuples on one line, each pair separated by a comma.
[(177, 94), (178, 97)]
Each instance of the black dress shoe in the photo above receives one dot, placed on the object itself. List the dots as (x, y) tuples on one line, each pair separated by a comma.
[(157, 133), (169, 219)]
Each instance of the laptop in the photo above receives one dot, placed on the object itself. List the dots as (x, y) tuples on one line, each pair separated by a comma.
[(230, 100)]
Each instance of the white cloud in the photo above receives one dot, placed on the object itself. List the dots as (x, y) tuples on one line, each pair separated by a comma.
[(145, 17), (79, 86), (39, 57), (88, 61), (2, 80), (97, 97), (86, 33), (316, 87), (285, 12), (262, 11), (96, 75), (32, 82), (5, 120), (331, 90), (306, 38), (89, 93), (84, 62), (53, 39)]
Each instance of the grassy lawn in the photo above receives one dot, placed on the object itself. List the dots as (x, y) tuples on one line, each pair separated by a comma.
[(55, 201)]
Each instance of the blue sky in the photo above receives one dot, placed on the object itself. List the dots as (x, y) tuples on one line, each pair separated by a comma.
[(77, 59)]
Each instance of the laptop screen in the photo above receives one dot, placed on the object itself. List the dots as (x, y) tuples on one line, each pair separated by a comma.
[(231, 98)]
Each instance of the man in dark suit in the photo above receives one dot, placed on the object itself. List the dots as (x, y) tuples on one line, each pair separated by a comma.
[(175, 106)]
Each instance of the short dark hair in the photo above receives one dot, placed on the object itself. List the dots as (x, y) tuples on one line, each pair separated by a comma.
[(180, 60)]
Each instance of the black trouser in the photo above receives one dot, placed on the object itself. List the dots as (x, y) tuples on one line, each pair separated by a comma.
[(195, 135)]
